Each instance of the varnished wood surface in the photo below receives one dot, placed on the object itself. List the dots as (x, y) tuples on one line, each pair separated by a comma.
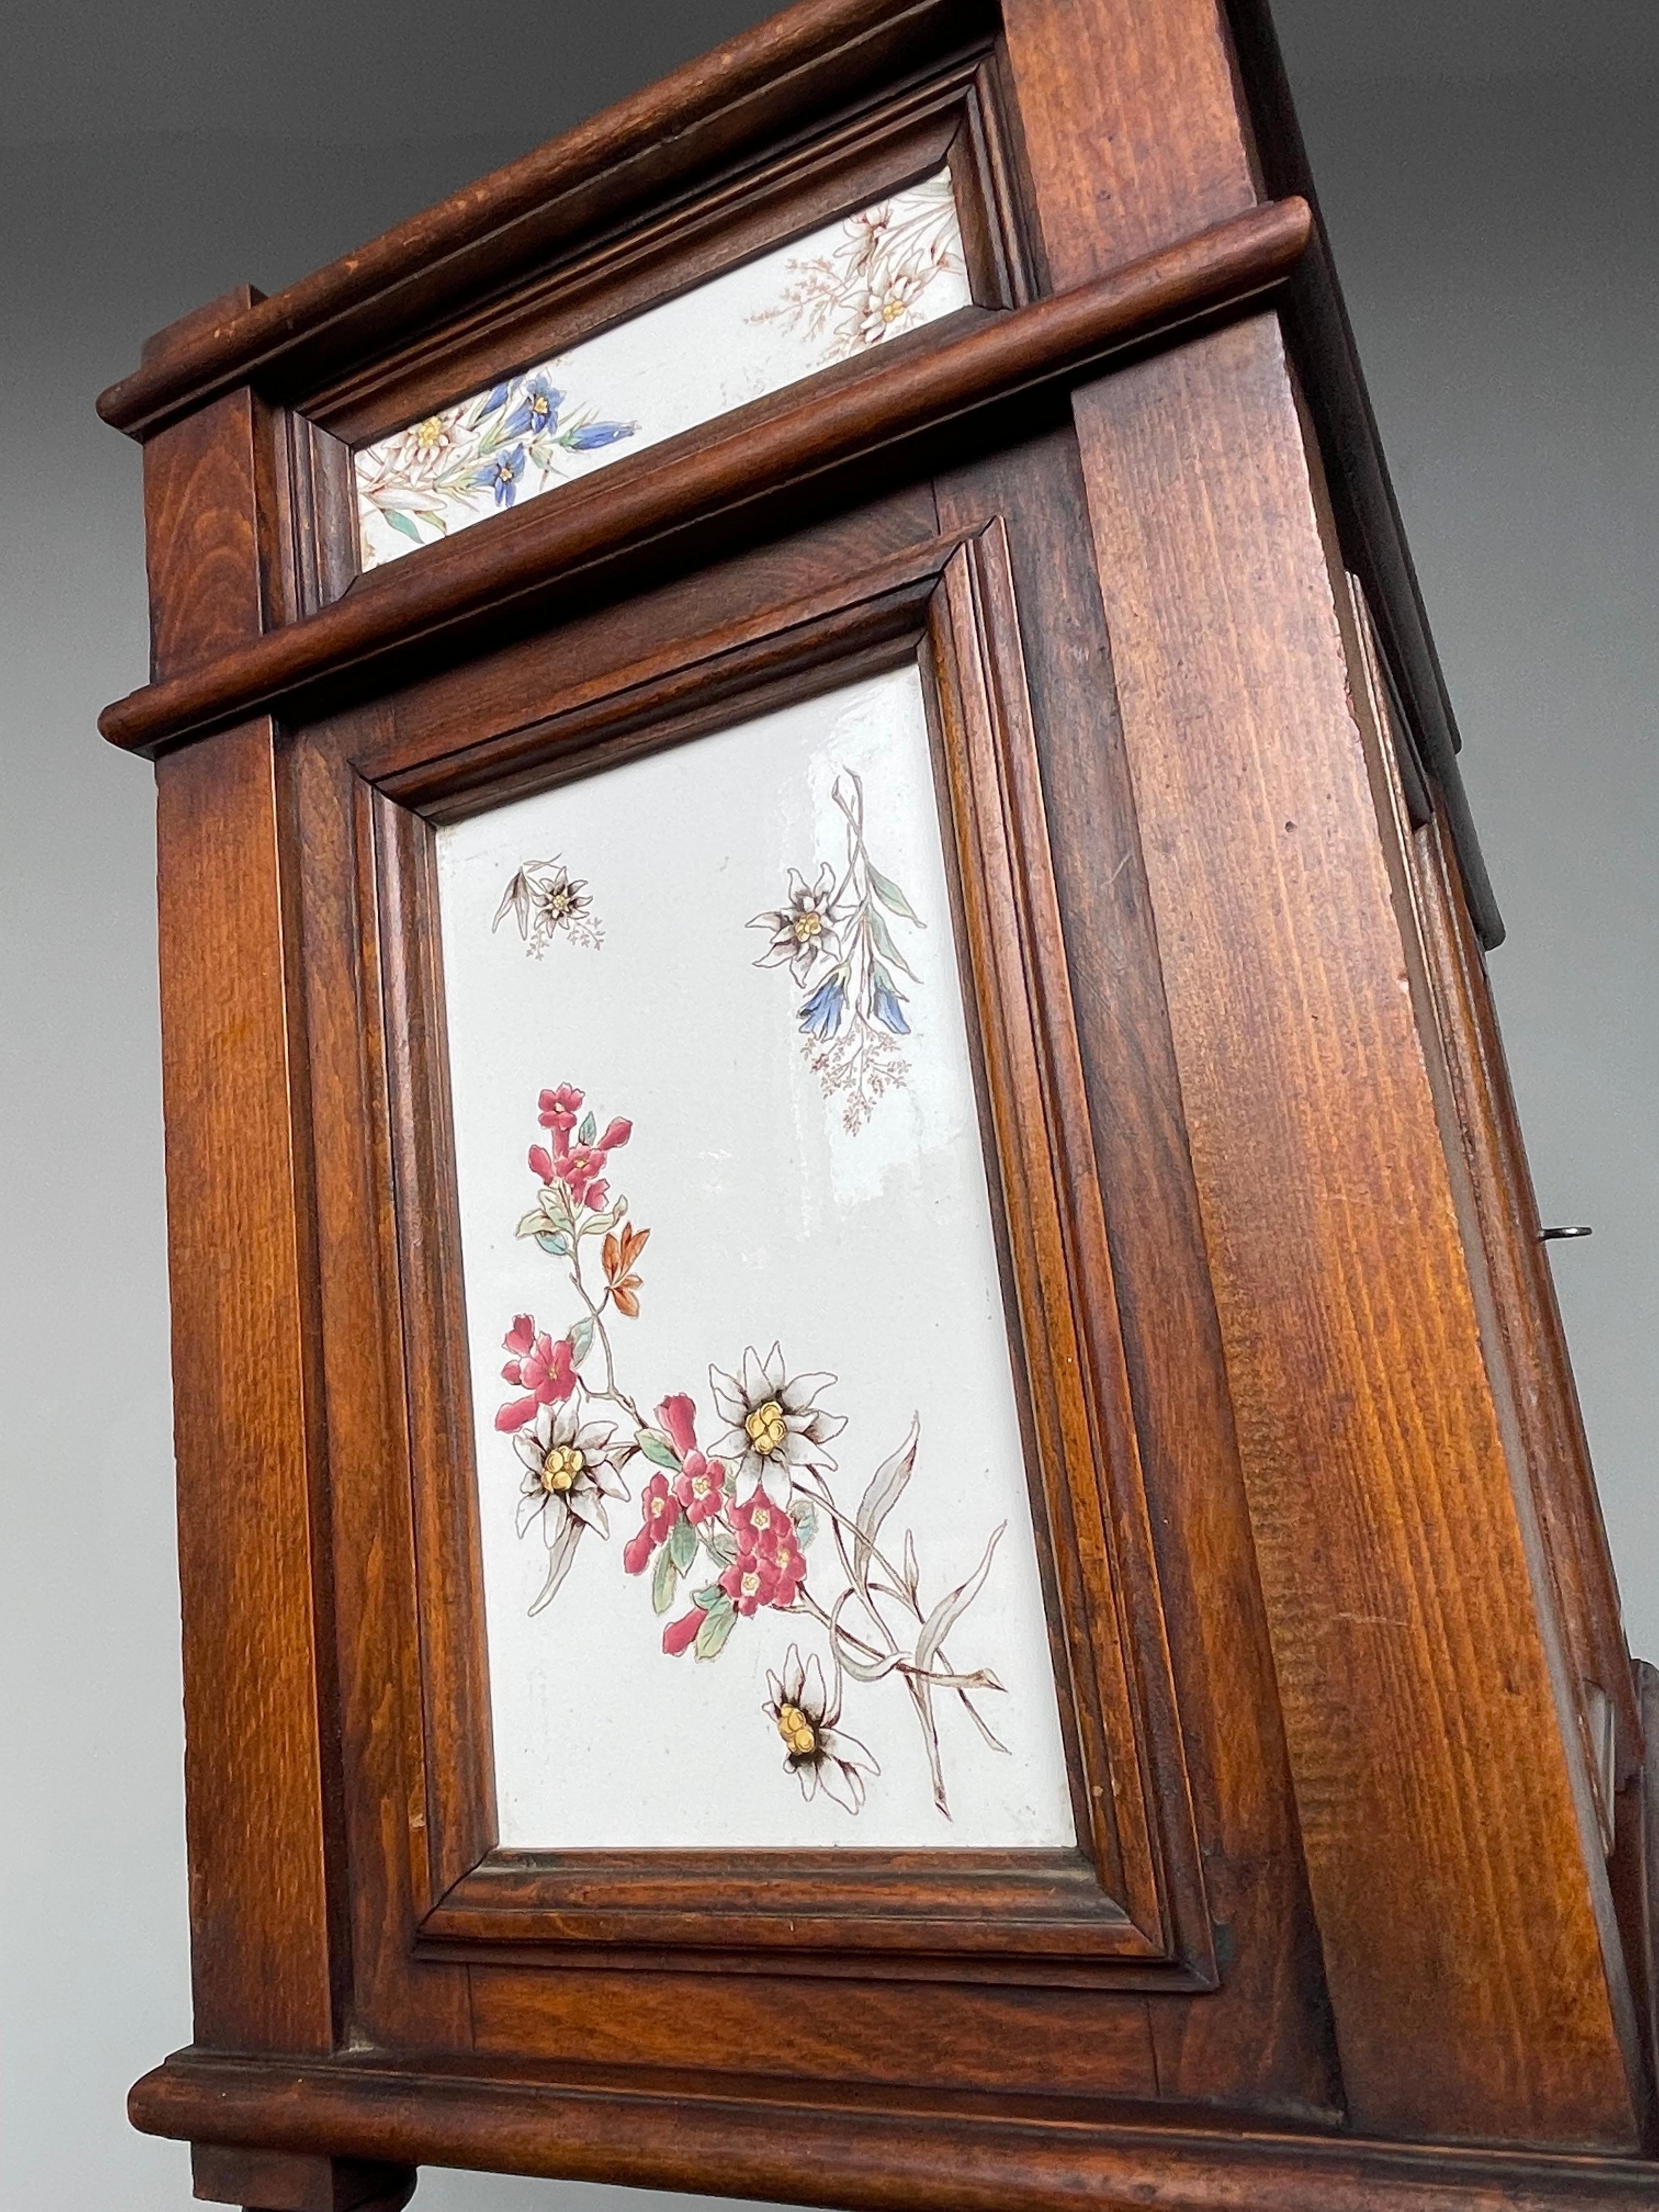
[(714, 471), (252, 1552), (208, 482), (1524, 1327), (1199, 1532), (752, 91), (1333, 1583), (296, 2181), (861, 2152), (1177, 156), (953, 115), (1416, 1688)]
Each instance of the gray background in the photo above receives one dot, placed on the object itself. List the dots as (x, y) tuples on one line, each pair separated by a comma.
[(1488, 173)]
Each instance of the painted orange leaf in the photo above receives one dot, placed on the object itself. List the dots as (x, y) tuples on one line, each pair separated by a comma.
[(619, 1254)]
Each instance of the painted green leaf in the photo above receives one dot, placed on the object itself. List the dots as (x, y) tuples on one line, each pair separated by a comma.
[(707, 1600), (558, 1243), (533, 1224), (721, 1542), (682, 1543), (711, 1636), (885, 944), (588, 1130), (805, 1516), (893, 898), (581, 1340), (663, 1577), (597, 1224), (657, 1448), (401, 522)]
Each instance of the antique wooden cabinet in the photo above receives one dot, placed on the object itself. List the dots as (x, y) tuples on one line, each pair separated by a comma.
[(822, 676)]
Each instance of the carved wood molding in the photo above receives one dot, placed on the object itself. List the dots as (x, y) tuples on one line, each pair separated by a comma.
[(679, 490), (966, 2156)]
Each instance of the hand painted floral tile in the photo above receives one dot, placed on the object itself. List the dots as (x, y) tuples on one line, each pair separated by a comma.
[(829, 296), (758, 1557)]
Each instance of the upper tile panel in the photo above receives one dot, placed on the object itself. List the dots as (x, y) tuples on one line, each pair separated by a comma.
[(830, 295)]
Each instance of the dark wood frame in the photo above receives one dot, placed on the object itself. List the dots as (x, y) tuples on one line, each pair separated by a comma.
[(952, 114), (1374, 1923), (1123, 1898)]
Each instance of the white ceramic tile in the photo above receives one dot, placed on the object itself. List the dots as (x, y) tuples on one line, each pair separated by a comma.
[(739, 951), (891, 268)]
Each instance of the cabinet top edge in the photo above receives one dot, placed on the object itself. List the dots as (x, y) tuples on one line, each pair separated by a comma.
[(747, 94)]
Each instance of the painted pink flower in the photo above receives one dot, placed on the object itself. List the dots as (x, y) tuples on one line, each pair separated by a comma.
[(781, 1555), (661, 1509), (750, 1583), (770, 1565), (560, 1109), (700, 1485), (616, 1133), (541, 1365), (680, 1635), (758, 1522), (541, 1162), (677, 1417), (580, 1170)]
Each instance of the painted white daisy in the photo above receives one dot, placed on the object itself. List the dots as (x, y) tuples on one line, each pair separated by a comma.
[(773, 1426)]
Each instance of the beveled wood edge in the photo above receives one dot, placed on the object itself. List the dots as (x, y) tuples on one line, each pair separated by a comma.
[(1056, 1228), (1130, 1902), (868, 2149), (704, 475), (1048, 1923), (951, 114), (483, 234)]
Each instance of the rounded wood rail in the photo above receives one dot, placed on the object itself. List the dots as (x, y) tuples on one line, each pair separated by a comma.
[(708, 473)]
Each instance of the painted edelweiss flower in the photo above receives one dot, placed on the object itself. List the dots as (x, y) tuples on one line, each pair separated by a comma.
[(891, 303), (571, 1466), (422, 452), (774, 1427), (559, 901), (805, 931), (815, 1751)]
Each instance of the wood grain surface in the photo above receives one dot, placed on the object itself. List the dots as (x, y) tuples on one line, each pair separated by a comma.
[(1365, 1916), (747, 95), (252, 1553), (860, 2151), (1416, 1687), (714, 471)]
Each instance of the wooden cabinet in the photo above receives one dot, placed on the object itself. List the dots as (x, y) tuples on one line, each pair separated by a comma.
[(901, 487)]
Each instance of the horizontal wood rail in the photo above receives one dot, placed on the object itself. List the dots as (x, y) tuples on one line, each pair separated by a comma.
[(880, 2149), (783, 74), (710, 472)]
